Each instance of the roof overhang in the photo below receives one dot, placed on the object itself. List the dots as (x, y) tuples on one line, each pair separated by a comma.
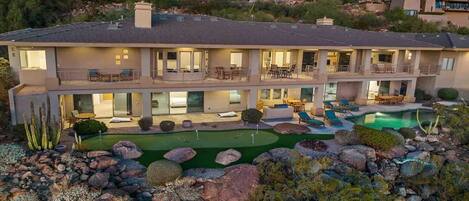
[(161, 45)]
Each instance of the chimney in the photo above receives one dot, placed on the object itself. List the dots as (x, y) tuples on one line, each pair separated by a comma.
[(143, 15), (325, 21)]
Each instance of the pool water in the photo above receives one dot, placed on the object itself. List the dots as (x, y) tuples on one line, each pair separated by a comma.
[(396, 120), (207, 145)]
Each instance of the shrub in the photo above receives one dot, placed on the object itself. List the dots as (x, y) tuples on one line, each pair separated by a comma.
[(375, 138), (89, 127), (145, 123), (407, 133), (448, 94), (163, 171), (420, 95), (251, 116), (167, 126)]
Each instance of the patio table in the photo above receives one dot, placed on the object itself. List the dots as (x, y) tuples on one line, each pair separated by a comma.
[(83, 116)]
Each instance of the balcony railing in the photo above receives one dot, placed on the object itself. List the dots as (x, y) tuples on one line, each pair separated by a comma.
[(430, 69), (279, 74), (203, 75), (98, 75), (338, 68), (391, 68)]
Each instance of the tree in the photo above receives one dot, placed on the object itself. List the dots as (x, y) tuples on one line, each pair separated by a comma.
[(7, 81)]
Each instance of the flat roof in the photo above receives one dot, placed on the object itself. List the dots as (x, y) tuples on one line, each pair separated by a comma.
[(187, 29)]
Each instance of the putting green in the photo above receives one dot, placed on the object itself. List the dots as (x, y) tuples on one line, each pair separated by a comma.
[(205, 139)]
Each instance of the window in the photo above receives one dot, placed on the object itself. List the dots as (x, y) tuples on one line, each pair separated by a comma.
[(307, 94), (185, 61), (386, 58), (279, 58), (447, 64), (331, 91), (265, 94), (33, 59), (235, 97), (236, 59), (172, 62), (159, 63), (197, 61)]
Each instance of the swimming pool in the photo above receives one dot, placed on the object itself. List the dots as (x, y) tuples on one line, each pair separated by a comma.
[(396, 120), (207, 144)]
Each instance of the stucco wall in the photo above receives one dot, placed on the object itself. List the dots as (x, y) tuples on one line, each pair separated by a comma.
[(32, 77), (430, 57), (458, 18), (23, 103), (427, 84), (100, 58), (446, 78), (348, 90), (137, 106), (219, 101)]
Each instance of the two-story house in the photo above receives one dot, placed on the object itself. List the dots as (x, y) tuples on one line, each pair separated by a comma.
[(170, 64)]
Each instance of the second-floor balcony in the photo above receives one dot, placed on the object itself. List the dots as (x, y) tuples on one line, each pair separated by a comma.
[(204, 75), (288, 73), (97, 76), (391, 68), (430, 69)]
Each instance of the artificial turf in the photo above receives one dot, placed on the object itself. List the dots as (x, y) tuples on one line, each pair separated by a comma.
[(207, 146)]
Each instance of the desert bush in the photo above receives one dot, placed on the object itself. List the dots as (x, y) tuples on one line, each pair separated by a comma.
[(375, 138), (25, 196), (167, 126), (145, 123), (163, 171), (10, 154), (456, 118), (89, 127), (407, 133), (454, 181), (251, 116), (448, 94), (74, 193)]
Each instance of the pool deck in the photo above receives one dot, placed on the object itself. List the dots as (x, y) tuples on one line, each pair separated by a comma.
[(348, 125)]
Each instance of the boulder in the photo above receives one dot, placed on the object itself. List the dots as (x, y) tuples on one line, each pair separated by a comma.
[(411, 168), (346, 137), (99, 180), (163, 171), (425, 146), (227, 157), (130, 168), (395, 152), (126, 150), (94, 154), (180, 155), (353, 158), (278, 154), (238, 183), (422, 155), (204, 173), (369, 152), (289, 128), (104, 162), (313, 149)]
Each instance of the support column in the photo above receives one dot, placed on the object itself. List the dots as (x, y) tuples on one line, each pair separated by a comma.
[(145, 56), (410, 93), (254, 66), (54, 107), (52, 82), (14, 59), (252, 98), (318, 109), (395, 60), (146, 104), (416, 63), (299, 61), (362, 96), (322, 63), (353, 61), (366, 62)]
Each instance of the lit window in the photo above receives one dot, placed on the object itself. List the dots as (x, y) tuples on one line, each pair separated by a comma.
[(235, 97), (172, 61), (236, 59), (33, 59), (278, 58), (265, 94), (274, 94), (447, 64), (185, 61), (307, 94), (197, 61)]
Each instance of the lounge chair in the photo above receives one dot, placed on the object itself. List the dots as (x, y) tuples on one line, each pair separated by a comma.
[(126, 75), (304, 117), (335, 108), (349, 106), (330, 116)]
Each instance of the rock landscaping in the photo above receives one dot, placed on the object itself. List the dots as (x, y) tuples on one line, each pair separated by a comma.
[(289, 128), (180, 155), (227, 157)]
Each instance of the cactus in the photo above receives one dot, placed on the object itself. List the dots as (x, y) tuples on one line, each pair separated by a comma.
[(431, 127), (44, 134)]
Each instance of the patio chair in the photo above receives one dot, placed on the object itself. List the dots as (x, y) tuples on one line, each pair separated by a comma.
[(349, 106), (304, 117), (330, 116), (273, 71), (221, 73), (126, 75), (335, 108), (289, 72), (94, 75)]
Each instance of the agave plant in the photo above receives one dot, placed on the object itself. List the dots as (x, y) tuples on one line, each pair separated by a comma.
[(429, 129), (44, 134), (78, 145)]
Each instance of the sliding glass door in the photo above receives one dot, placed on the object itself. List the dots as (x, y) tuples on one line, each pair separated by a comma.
[(122, 104), (195, 101), (83, 103), (160, 103)]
